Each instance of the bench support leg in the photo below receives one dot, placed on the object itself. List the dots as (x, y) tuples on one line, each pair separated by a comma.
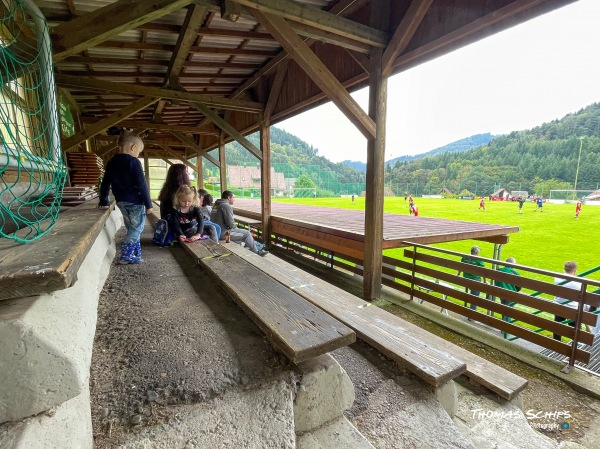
[(447, 396)]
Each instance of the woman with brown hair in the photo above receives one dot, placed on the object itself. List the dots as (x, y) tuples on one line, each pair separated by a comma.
[(176, 177)]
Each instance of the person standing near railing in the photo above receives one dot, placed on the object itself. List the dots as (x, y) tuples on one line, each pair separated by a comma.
[(570, 268), (506, 285), (474, 252)]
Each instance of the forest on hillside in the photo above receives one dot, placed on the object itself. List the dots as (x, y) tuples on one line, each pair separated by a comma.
[(297, 159), (538, 160)]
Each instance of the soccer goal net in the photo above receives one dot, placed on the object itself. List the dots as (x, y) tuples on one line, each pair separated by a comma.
[(567, 196)]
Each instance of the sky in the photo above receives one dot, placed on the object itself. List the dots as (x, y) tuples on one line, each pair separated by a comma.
[(520, 78)]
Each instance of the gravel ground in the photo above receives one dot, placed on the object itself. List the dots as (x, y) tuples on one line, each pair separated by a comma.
[(168, 337)]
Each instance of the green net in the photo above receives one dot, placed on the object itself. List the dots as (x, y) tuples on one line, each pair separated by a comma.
[(32, 170)]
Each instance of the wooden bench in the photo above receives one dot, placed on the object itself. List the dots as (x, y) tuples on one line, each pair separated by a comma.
[(297, 328), (391, 335), (428, 356), (52, 262), (251, 224)]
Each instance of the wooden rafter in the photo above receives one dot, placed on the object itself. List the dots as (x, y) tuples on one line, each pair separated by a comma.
[(404, 33), (109, 121), (276, 89), (189, 33), (205, 130), (183, 160), (472, 28), (318, 72), (100, 25), (146, 62), (319, 19), (220, 102), (188, 141), (225, 126), (340, 8)]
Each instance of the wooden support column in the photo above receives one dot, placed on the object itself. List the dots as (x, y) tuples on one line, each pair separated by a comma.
[(199, 172), (373, 259), (265, 180), (222, 164), (147, 169)]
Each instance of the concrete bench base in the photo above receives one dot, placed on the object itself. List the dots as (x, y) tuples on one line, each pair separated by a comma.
[(47, 340), (68, 425)]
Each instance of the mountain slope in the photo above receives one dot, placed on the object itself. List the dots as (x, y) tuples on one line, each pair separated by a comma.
[(454, 147)]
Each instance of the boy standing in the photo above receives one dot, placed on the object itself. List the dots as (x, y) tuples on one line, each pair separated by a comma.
[(125, 177)]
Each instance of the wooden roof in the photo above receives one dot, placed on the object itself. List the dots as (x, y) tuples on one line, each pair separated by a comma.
[(186, 69), (397, 229)]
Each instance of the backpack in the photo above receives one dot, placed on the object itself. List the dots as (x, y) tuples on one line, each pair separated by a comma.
[(163, 234)]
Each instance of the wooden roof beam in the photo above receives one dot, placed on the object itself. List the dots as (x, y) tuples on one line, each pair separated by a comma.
[(174, 156), (98, 26), (213, 101), (319, 19), (340, 8), (187, 37), (210, 131), (188, 141), (225, 126), (404, 33), (109, 121), (276, 89), (318, 72)]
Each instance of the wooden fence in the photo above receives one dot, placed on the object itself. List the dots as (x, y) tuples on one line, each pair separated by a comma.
[(432, 275)]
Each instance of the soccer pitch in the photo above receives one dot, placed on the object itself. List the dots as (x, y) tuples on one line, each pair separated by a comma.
[(546, 239)]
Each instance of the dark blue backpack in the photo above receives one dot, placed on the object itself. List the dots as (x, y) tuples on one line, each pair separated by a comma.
[(163, 234)]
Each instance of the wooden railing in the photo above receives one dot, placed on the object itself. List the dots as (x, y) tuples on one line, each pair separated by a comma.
[(431, 274)]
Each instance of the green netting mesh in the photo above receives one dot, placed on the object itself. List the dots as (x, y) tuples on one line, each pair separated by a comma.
[(32, 170)]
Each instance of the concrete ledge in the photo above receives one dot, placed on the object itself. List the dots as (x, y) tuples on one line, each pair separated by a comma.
[(47, 340), (256, 418), (339, 433), (69, 426), (324, 394)]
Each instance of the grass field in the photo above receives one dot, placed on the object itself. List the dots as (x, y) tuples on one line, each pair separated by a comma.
[(545, 240)]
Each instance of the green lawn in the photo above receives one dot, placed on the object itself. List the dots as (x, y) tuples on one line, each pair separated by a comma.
[(545, 240)]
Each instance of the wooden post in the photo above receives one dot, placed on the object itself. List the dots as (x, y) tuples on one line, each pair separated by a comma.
[(265, 180), (147, 169), (375, 182), (199, 172), (222, 164)]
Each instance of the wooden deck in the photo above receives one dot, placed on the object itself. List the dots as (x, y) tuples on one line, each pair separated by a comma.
[(343, 230)]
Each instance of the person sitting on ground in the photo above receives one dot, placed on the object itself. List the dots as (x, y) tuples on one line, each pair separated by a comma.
[(474, 252), (222, 214), (186, 217), (506, 285), (206, 209), (176, 177), (570, 268)]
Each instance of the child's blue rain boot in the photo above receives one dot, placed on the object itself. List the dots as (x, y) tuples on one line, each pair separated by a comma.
[(137, 251), (127, 254)]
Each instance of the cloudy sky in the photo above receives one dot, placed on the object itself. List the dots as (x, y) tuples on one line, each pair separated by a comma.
[(520, 78)]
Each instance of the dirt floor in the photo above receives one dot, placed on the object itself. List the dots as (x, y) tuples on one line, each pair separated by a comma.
[(134, 381)]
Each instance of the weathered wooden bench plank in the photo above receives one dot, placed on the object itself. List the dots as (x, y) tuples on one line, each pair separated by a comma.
[(50, 263), (388, 333), (297, 328), (391, 335)]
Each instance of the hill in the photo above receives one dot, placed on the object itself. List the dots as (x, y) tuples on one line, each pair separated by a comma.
[(536, 160), (454, 147), (297, 159)]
